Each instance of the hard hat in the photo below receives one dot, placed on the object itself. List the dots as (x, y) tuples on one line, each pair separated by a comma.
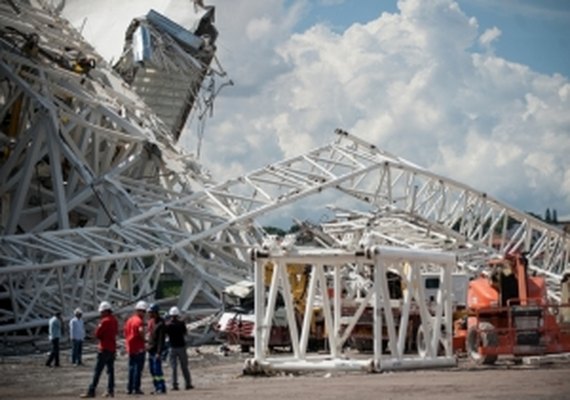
[(153, 308), (141, 305), (104, 306), (78, 311), (174, 311)]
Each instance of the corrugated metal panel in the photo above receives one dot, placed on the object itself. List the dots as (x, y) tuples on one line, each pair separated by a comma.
[(142, 48), (166, 94), (180, 34)]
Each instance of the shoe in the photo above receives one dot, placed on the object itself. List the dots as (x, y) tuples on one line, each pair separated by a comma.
[(188, 387), (109, 394), (174, 388), (138, 392), (87, 395)]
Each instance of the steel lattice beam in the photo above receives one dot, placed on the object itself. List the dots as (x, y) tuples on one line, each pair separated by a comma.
[(340, 164), (81, 150), (97, 200)]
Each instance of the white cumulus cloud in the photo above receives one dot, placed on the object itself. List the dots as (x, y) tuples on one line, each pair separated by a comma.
[(409, 81), (489, 36)]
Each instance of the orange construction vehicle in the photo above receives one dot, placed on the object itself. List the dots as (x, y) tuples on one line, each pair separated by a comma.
[(508, 313)]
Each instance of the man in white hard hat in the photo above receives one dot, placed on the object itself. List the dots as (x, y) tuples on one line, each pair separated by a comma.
[(76, 335), (106, 333), (176, 332), (135, 343)]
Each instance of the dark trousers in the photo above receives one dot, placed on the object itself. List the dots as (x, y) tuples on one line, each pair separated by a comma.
[(136, 365), (104, 359), (179, 355), (155, 364), (76, 351), (54, 353)]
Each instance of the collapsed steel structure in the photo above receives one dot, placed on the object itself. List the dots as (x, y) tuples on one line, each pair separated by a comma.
[(97, 199)]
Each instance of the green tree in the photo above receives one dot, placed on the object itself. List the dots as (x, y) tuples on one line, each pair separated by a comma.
[(273, 230), (294, 228)]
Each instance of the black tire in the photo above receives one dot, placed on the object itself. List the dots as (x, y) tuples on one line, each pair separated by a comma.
[(244, 348), (487, 337)]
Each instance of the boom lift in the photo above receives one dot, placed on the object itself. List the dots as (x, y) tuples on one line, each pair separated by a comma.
[(508, 313)]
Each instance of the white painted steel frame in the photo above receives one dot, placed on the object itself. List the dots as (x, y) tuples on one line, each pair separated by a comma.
[(435, 320), (145, 205), (84, 151), (250, 196)]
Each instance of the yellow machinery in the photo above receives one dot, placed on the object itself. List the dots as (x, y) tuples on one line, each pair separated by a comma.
[(299, 275)]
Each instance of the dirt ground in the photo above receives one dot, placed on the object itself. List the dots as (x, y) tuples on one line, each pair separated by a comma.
[(217, 377)]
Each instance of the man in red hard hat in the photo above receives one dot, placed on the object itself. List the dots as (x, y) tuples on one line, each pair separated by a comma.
[(106, 334)]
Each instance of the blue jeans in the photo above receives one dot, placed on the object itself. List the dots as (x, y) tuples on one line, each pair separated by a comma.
[(76, 350), (104, 359), (136, 365), (155, 364)]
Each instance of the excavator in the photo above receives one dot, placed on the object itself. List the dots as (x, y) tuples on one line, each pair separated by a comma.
[(508, 314)]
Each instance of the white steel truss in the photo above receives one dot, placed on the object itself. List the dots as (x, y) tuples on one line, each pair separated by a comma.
[(211, 211), (97, 200), (435, 349), (79, 149), (345, 164)]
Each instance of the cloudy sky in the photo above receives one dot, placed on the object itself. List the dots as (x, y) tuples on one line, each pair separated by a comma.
[(476, 90)]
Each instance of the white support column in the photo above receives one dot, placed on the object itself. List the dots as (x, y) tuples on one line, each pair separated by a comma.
[(408, 262), (328, 315), (387, 306), (259, 304), (378, 336), (448, 311), (306, 328), (337, 309), (405, 310), (289, 309), (53, 142), (270, 307)]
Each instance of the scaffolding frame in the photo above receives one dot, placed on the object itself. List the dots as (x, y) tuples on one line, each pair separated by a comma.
[(435, 343)]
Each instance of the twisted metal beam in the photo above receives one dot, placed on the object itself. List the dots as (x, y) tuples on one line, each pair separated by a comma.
[(97, 200)]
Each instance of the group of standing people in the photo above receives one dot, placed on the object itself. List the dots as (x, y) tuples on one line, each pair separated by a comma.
[(143, 336)]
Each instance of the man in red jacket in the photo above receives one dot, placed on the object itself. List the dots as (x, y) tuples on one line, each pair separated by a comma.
[(135, 343), (106, 334)]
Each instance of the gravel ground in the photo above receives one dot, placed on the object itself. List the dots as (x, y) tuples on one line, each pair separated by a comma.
[(216, 377)]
